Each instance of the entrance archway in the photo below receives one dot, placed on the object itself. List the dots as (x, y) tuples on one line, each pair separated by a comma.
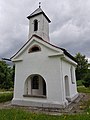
[(35, 85)]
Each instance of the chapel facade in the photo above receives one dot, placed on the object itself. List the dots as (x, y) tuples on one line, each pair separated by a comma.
[(44, 73)]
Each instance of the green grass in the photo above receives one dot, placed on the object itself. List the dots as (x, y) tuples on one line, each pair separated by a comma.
[(22, 114), (18, 114), (6, 96), (83, 89)]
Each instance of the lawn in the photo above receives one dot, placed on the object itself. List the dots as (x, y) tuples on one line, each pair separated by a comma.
[(18, 114)]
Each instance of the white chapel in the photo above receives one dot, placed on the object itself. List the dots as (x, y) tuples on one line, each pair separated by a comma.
[(44, 73)]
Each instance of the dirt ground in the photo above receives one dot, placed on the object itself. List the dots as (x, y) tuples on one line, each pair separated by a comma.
[(77, 106)]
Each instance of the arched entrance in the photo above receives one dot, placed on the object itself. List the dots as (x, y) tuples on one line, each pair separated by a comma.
[(35, 85), (67, 92)]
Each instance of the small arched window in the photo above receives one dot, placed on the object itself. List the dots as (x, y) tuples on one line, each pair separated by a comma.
[(34, 48), (35, 25)]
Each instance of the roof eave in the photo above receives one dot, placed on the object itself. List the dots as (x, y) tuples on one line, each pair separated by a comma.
[(64, 51), (30, 16), (68, 55)]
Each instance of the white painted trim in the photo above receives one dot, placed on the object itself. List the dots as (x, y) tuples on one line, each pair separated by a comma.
[(17, 60), (57, 54)]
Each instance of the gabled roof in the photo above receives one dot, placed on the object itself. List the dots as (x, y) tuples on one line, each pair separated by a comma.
[(64, 51), (37, 12)]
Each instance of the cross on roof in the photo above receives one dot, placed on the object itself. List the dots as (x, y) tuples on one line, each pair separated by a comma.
[(39, 4)]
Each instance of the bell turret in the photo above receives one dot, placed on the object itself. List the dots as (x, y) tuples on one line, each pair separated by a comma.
[(39, 24)]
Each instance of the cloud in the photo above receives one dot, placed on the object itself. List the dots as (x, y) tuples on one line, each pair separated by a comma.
[(73, 31), (69, 28)]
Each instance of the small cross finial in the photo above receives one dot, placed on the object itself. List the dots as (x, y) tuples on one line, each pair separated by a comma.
[(39, 4)]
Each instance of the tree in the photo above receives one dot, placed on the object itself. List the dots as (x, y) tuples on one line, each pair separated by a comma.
[(6, 76), (82, 67), (86, 81)]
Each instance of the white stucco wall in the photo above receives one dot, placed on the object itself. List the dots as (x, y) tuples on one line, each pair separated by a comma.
[(72, 86)]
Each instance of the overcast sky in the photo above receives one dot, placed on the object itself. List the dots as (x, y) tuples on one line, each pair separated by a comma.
[(69, 27)]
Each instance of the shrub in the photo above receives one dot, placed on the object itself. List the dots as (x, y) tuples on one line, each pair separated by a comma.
[(79, 82), (6, 97), (83, 89), (86, 81)]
